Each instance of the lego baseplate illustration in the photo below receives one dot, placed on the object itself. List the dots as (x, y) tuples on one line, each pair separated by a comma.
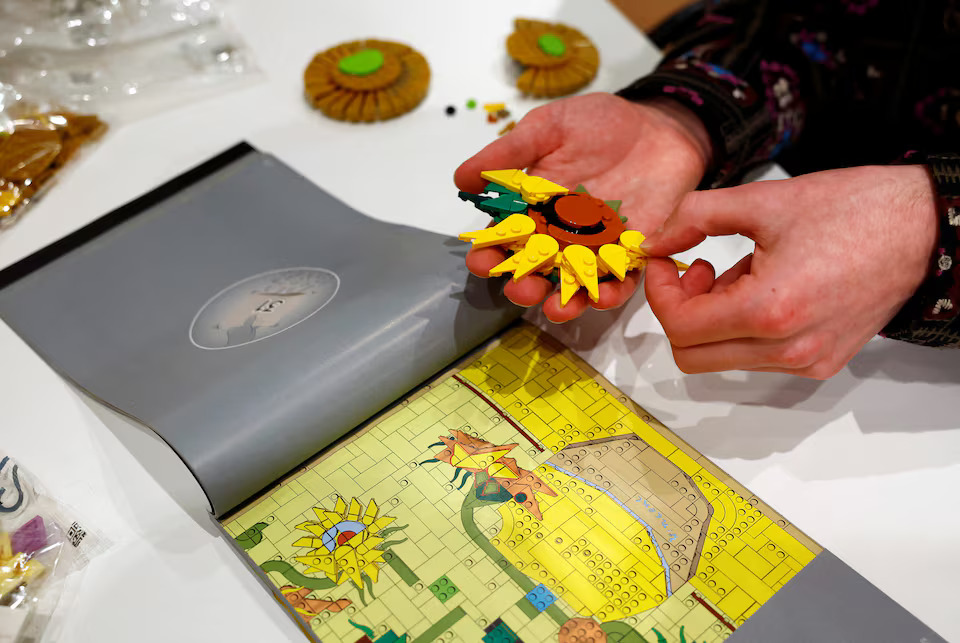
[(519, 497)]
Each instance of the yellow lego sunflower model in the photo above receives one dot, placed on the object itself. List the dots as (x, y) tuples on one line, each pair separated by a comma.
[(557, 59), (570, 237), (366, 80), (344, 542)]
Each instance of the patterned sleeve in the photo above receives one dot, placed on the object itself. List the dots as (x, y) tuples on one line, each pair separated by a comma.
[(753, 71), (932, 316)]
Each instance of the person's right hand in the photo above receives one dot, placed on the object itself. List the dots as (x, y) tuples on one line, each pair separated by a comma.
[(648, 155)]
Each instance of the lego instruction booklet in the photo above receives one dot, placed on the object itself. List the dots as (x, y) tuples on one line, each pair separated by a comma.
[(516, 497)]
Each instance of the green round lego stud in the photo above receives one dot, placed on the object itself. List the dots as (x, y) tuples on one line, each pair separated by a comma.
[(471, 104), (362, 63), (551, 45)]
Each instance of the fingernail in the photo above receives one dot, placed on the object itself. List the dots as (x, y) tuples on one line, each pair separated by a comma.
[(650, 240)]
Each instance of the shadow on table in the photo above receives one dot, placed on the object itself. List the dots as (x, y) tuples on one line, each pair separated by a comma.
[(888, 388)]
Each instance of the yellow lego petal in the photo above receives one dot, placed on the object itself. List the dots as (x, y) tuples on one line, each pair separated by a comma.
[(535, 189), (510, 179), (568, 283), (340, 507), (516, 227), (459, 455), (613, 259), (631, 240), (539, 253), (356, 509), (583, 264), (371, 513)]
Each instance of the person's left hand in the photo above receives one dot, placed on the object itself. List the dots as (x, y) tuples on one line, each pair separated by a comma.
[(837, 254)]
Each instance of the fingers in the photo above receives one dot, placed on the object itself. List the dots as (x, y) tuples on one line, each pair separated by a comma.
[(534, 137), (698, 279), (559, 314), (791, 355), (528, 291), (480, 261), (728, 278), (695, 319), (739, 210), (613, 294)]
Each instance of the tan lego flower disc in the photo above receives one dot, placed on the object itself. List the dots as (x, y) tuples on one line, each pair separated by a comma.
[(557, 59), (367, 80)]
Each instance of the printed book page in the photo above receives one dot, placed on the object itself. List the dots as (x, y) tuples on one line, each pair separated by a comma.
[(519, 497)]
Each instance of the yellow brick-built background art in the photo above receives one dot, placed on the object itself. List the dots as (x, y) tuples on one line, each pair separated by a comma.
[(637, 532)]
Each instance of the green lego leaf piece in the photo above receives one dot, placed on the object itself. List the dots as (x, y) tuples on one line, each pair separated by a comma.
[(505, 203), (580, 188), (614, 205), (499, 189), (623, 219)]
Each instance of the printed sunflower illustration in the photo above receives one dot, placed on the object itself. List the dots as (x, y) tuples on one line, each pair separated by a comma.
[(345, 542), (557, 59), (366, 80)]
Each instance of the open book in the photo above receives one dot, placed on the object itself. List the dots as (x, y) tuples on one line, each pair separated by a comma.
[(254, 322)]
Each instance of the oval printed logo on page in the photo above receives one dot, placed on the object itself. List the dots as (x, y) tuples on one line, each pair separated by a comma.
[(262, 306)]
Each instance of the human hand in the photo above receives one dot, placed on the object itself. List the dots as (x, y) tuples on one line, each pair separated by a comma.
[(648, 155), (837, 254)]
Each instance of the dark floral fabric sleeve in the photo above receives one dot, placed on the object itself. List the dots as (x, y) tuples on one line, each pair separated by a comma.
[(932, 316), (822, 84), (749, 74)]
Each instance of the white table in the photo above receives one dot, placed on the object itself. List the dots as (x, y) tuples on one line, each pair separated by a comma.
[(867, 463)]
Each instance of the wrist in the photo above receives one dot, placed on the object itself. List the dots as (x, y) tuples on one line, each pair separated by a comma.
[(686, 122)]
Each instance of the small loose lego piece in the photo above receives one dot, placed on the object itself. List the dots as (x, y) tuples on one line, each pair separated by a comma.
[(471, 104), (539, 253), (493, 108), (515, 228), (506, 128), (450, 110)]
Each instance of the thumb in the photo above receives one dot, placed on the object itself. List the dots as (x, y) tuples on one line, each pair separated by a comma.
[(711, 213)]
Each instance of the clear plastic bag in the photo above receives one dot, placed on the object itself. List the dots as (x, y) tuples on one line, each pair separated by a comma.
[(42, 544), (122, 57), (37, 141)]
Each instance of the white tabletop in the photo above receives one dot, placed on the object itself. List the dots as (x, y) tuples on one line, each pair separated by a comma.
[(867, 463)]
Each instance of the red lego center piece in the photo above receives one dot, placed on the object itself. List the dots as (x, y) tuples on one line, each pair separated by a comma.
[(580, 212), (345, 536)]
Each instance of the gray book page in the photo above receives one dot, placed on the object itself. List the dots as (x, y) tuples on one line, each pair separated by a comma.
[(252, 319)]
